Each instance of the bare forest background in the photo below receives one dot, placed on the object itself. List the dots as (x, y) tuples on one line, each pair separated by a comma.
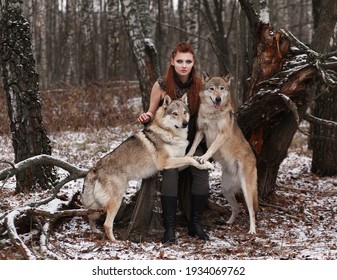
[(79, 42), (86, 51)]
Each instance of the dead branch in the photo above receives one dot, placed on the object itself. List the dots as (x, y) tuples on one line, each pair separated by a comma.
[(9, 219), (13, 235), (312, 119), (292, 107), (285, 210), (55, 191), (41, 160), (323, 62), (316, 192), (74, 173), (52, 216), (296, 42), (44, 244)]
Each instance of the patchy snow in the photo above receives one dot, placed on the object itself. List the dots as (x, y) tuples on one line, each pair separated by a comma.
[(297, 222)]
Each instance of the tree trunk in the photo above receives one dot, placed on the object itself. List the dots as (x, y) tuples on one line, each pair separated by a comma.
[(216, 24), (113, 41), (87, 49), (269, 120), (141, 43), (323, 140), (192, 25), (136, 18), (22, 91)]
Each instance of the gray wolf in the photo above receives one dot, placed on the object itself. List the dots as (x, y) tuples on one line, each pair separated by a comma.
[(161, 145), (226, 145)]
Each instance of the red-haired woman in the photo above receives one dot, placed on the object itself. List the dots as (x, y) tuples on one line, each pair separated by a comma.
[(181, 78)]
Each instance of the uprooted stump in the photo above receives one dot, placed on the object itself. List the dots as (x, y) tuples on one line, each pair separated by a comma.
[(271, 116), (269, 121)]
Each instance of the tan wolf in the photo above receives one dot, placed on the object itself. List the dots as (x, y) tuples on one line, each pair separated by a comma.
[(161, 145), (226, 145)]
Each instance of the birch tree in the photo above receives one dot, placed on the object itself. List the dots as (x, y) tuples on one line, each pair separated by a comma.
[(20, 81), (192, 23), (138, 28), (87, 43), (69, 59)]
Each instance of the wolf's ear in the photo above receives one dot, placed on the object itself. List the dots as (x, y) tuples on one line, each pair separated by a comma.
[(167, 100), (228, 78), (184, 99), (205, 76)]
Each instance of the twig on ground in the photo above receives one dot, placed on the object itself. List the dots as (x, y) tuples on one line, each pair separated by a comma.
[(285, 210)]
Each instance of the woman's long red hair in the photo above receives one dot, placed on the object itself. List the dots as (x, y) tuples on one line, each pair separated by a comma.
[(193, 96)]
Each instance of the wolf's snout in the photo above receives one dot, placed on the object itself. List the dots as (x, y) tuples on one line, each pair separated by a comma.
[(185, 123), (218, 99)]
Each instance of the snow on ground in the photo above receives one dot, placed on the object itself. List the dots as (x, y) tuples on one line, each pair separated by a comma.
[(297, 222)]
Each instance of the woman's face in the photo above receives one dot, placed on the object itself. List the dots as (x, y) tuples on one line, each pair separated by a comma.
[(183, 63)]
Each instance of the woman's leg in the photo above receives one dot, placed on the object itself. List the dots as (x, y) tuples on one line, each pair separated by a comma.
[(169, 190), (199, 197)]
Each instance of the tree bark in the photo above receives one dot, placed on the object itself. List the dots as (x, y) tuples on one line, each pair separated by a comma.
[(269, 120), (142, 46), (136, 19), (278, 99), (216, 23), (22, 91), (323, 138)]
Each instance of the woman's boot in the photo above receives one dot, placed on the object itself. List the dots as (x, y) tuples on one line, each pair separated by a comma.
[(169, 207), (198, 203)]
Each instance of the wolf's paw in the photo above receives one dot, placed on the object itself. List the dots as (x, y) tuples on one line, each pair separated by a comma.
[(201, 160), (209, 165), (206, 165)]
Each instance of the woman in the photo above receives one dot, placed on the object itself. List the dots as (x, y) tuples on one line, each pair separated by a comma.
[(180, 78)]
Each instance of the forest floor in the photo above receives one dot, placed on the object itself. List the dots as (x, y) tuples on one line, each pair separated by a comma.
[(298, 221)]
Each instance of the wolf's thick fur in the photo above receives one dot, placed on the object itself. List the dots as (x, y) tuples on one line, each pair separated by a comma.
[(161, 145), (226, 145)]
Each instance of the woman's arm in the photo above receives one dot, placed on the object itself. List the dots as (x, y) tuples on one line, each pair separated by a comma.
[(156, 95)]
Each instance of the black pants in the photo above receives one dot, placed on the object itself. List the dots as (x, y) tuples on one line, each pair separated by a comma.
[(200, 180)]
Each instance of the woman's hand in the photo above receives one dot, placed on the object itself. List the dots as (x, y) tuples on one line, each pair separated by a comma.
[(145, 118)]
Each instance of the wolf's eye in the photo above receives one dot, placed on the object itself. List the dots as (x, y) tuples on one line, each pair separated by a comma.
[(175, 114), (212, 88), (222, 88)]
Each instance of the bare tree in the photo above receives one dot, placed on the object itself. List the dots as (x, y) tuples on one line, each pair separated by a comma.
[(22, 91), (113, 45), (324, 138), (192, 23), (69, 59), (220, 36), (138, 28), (87, 45)]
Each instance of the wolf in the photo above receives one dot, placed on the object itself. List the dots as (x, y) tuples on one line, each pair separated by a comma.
[(160, 145), (226, 145)]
